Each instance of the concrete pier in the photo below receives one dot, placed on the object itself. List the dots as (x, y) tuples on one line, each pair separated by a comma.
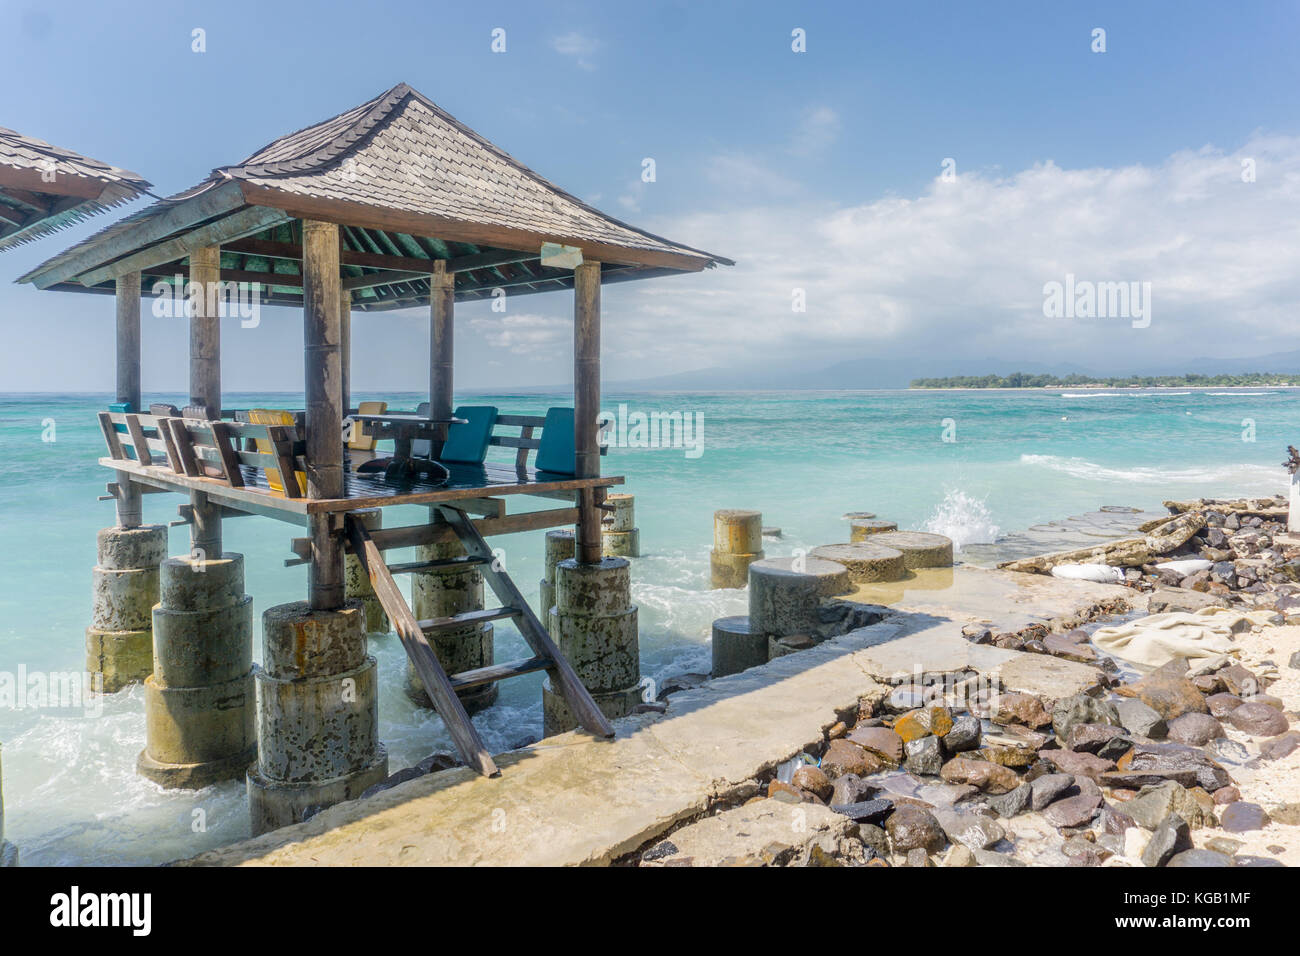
[(356, 583), (560, 544), (443, 593), (318, 714), (200, 699), (866, 563), (737, 543), (8, 852), (736, 647), (920, 548), (594, 622), (620, 537), (119, 641), (786, 595), (860, 529)]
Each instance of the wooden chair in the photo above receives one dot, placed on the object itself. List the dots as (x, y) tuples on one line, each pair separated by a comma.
[(275, 416)]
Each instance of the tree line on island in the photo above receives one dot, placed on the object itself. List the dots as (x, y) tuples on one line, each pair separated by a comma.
[(1026, 380)]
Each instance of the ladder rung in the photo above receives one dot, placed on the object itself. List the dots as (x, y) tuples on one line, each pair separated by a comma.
[(414, 567), (468, 617), (496, 672)]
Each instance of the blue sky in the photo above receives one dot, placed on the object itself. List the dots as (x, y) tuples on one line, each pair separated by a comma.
[(816, 170)]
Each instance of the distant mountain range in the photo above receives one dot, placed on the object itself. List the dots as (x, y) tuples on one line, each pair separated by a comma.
[(899, 372)]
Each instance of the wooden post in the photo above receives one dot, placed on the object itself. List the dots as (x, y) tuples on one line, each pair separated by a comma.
[(345, 348), (129, 508), (322, 315), (442, 303), (205, 383), (586, 403)]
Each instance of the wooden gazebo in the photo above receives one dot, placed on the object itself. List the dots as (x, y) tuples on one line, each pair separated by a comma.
[(44, 188), (389, 205)]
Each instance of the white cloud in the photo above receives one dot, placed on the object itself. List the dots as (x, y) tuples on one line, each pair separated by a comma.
[(960, 269), (526, 333), (816, 132), (577, 45)]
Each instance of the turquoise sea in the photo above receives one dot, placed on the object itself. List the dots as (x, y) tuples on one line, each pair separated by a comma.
[(968, 464)]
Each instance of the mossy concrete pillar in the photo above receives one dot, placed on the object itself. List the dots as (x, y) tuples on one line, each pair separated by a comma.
[(8, 852), (920, 549), (863, 528), (737, 543), (356, 583), (561, 543), (119, 641), (786, 595), (866, 563), (199, 701), (317, 715), (445, 592), (735, 647), (620, 537), (594, 623)]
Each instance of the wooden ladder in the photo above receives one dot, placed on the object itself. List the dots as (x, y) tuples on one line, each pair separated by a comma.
[(413, 634)]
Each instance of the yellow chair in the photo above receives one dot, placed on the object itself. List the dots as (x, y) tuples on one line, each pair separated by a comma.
[(360, 441), (275, 416)]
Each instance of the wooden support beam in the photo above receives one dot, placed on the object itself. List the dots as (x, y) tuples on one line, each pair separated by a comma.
[(322, 315), (345, 349), (269, 249), (586, 404), (130, 512), (205, 385), (442, 304)]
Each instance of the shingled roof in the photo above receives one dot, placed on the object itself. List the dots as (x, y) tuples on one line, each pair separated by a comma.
[(44, 188), (409, 183)]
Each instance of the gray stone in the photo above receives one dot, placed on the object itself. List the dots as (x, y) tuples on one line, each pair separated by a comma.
[(1241, 817), (1154, 803), (965, 734), (991, 858), (911, 827), (1171, 836), (866, 811), (1073, 811), (1011, 804), (1049, 787), (1082, 709), (1199, 858), (1137, 718), (1258, 720), (970, 829), (1195, 730), (924, 756)]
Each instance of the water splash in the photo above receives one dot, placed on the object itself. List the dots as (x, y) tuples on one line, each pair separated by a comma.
[(964, 519)]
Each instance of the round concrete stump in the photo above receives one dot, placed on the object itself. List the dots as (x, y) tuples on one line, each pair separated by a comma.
[(356, 583), (737, 543), (594, 624), (561, 543), (200, 700), (920, 548), (866, 563), (620, 537), (864, 528), (786, 594), (621, 544), (735, 647), (858, 515), (447, 592), (115, 659), (124, 590), (317, 714)]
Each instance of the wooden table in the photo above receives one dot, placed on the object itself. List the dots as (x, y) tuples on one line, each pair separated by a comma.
[(403, 428)]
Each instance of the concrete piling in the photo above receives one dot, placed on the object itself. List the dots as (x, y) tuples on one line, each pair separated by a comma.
[(200, 699), (318, 714), (736, 647), (594, 623), (786, 594), (119, 641), (737, 543), (356, 583), (561, 543), (920, 548), (445, 592), (861, 529), (8, 852), (866, 562), (620, 537)]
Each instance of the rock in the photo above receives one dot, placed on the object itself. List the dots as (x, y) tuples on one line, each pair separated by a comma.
[(880, 741), (1199, 858), (904, 698), (911, 827), (1091, 738), (874, 837), (924, 755), (1166, 600), (1238, 680), (1225, 845), (1154, 803), (992, 858), (1287, 813), (777, 790), (814, 780), (977, 633), (1049, 787), (922, 722), (1073, 811), (1077, 764), (1255, 861), (959, 855), (1195, 730), (1013, 803), (848, 788), (1221, 705), (866, 811), (1226, 795), (1082, 709), (1164, 758), (1019, 709), (964, 735), (1171, 836), (970, 829), (1137, 779), (844, 757), (1059, 645), (1240, 817), (1114, 821), (1167, 691), (1294, 663), (1280, 747), (1015, 757), (1137, 718), (918, 857), (1258, 720), (987, 776), (1116, 747)]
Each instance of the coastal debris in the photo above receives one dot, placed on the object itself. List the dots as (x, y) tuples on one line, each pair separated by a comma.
[(1272, 507), (1125, 553)]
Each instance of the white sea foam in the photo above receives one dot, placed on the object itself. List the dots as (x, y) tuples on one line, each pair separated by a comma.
[(1235, 394), (1237, 478), (1135, 393), (964, 519)]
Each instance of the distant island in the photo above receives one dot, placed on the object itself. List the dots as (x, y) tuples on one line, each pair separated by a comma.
[(1025, 380)]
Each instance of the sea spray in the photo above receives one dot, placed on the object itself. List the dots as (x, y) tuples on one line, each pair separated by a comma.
[(964, 519)]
